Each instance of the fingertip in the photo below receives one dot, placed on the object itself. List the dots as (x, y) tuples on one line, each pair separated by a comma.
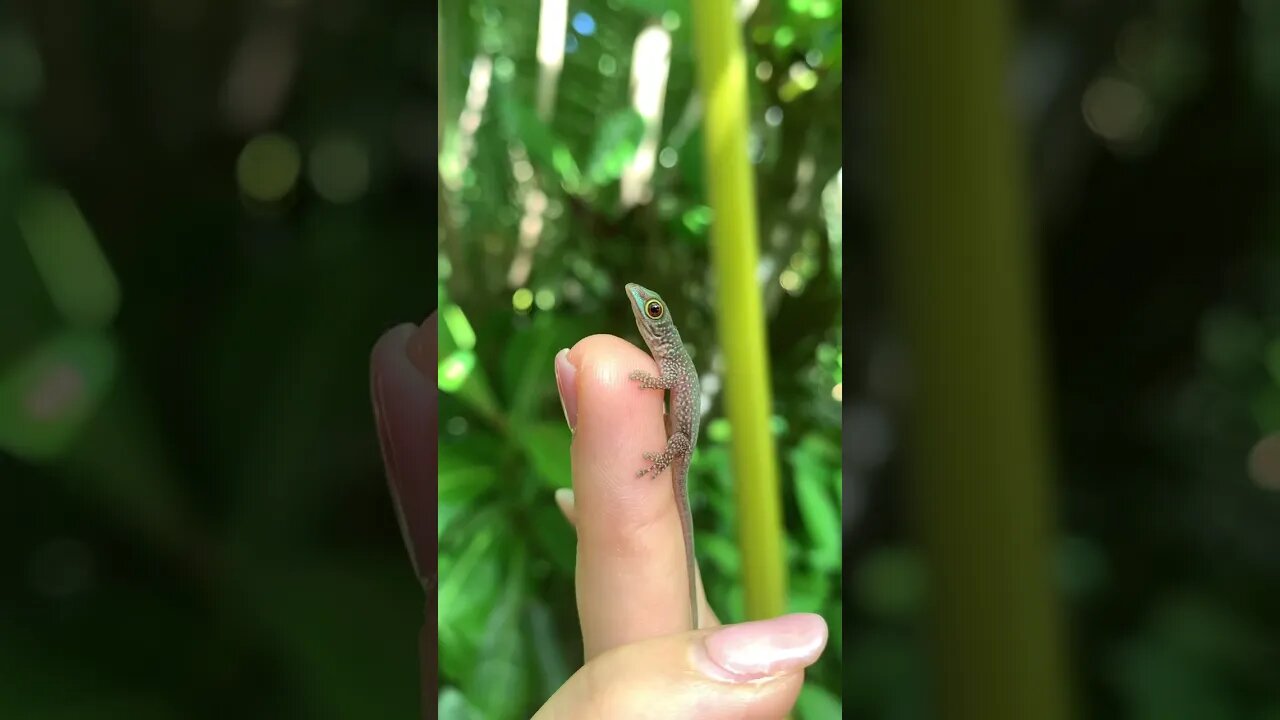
[(615, 422), (404, 410), (422, 345), (754, 650), (607, 360), (391, 346)]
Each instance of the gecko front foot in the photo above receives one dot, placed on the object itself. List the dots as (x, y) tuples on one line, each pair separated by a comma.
[(647, 381)]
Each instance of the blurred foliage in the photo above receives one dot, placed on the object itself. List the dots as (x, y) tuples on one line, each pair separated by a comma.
[(1155, 170), (541, 227), (208, 213)]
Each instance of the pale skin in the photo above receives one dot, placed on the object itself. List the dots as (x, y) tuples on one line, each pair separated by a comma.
[(640, 660)]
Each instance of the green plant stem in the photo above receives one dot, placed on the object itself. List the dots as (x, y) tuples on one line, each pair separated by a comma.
[(964, 275), (722, 78)]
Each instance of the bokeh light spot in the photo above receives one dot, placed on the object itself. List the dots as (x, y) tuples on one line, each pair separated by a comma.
[(268, 167), (584, 24), (545, 299), (339, 169), (784, 36), (522, 300), (1115, 110), (822, 9), (504, 68)]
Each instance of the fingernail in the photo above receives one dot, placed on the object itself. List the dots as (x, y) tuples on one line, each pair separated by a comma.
[(754, 650), (380, 367), (566, 375)]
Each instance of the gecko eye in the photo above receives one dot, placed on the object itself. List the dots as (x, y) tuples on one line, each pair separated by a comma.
[(653, 309)]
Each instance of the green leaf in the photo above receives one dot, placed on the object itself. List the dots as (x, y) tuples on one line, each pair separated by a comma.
[(546, 150), (691, 167), (453, 705), (458, 374), (552, 665), (528, 362), (465, 471), (722, 553), (469, 584), (546, 445), (616, 144), (817, 703), (80, 281), (819, 511), (498, 684), (555, 536), (810, 592), (697, 219)]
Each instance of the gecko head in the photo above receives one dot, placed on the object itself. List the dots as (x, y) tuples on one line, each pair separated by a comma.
[(652, 317)]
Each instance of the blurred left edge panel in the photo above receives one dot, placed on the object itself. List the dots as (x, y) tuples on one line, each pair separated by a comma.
[(213, 251)]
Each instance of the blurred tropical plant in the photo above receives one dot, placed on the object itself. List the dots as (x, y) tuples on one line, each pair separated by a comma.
[(570, 165), (193, 267)]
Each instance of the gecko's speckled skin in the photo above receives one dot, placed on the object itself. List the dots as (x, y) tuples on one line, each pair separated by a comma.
[(676, 375)]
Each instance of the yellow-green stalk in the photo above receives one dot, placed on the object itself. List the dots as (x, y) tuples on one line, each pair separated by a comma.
[(964, 271), (722, 80)]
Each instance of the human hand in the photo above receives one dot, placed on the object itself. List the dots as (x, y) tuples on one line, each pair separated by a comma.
[(404, 405), (641, 661)]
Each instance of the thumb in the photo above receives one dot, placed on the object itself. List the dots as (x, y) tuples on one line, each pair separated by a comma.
[(751, 671)]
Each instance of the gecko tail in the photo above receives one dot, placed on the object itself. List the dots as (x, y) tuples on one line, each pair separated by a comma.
[(693, 587)]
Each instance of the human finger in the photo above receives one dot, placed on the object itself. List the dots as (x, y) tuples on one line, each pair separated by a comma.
[(631, 582), (752, 671), (706, 615)]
